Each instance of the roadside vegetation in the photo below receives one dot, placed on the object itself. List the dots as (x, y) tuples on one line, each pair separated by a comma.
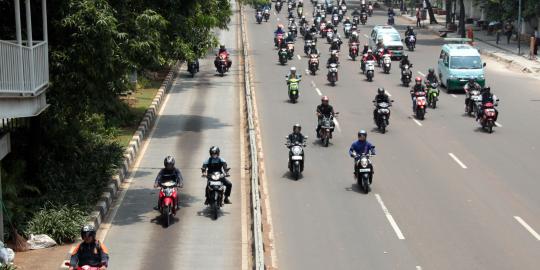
[(61, 160)]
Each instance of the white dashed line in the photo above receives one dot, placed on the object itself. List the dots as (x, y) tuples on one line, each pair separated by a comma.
[(417, 122), (497, 124), (423, 75), (275, 14), (457, 160), (337, 125), (454, 95), (527, 227), (313, 84), (390, 218), (299, 57), (277, 18), (418, 267), (307, 71), (388, 93), (318, 91), (366, 36)]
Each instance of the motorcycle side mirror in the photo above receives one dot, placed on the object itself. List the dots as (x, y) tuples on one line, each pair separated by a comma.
[(392, 100), (484, 65), (402, 40)]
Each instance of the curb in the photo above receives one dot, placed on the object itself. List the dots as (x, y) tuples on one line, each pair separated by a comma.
[(494, 55)]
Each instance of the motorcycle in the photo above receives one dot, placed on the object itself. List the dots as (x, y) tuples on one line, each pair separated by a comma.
[(353, 50), (192, 68), (363, 18), (259, 17), (370, 70), (390, 19), (332, 75), (370, 10), (168, 198), (382, 119), (283, 56), (327, 127), (290, 50), (347, 29), (300, 11), (386, 63), (420, 108), (290, 8), (329, 35), (307, 46), (303, 29), (293, 30), (313, 63), (293, 89), (432, 94), (363, 171), (322, 27), (344, 8), (278, 7), (335, 20), (356, 19), (474, 103), (84, 267), (487, 121), (406, 75), (222, 64), (335, 45), (216, 191), (278, 40), (296, 157), (411, 42)]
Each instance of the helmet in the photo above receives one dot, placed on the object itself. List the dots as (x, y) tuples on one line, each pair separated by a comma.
[(369, 51), (222, 47), (348, 18), (471, 80), (293, 69), (418, 80), (303, 16), (214, 150), (168, 161), (409, 27), (405, 56), (279, 26), (431, 70), (325, 99), (487, 89), (362, 133), (297, 127), (380, 91), (88, 230)]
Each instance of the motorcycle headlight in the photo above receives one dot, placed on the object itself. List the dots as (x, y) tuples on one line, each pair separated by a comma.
[(296, 150), (216, 176), (452, 76), (481, 76), (168, 191), (364, 162)]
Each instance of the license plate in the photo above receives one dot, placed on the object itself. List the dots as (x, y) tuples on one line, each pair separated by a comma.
[(215, 183), (365, 170), (296, 157)]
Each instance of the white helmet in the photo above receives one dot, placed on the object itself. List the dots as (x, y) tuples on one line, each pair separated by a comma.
[(369, 51), (293, 69)]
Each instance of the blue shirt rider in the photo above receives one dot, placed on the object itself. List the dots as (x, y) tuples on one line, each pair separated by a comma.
[(359, 147)]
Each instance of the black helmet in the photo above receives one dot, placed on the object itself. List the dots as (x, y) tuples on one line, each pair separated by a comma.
[(472, 80), (405, 56), (409, 27), (222, 47), (380, 91), (362, 133), (88, 230), (297, 126), (168, 161), (214, 150), (487, 90), (431, 70)]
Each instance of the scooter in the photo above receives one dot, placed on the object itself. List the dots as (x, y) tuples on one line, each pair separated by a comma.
[(370, 70), (296, 157), (332, 75), (386, 63), (168, 198), (432, 94), (293, 89)]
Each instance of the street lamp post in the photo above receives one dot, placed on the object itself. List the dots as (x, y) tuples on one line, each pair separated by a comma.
[(519, 28)]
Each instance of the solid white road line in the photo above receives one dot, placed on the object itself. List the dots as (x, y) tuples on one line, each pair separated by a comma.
[(423, 75), (337, 125), (527, 227), (457, 160), (299, 57), (417, 122), (318, 91), (497, 124), (453, 95), (390, 218)]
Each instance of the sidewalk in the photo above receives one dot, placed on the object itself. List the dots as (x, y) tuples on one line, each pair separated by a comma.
[(502, 52)]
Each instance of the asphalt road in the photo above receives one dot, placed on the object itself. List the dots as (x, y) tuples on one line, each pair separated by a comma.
[(461, 198), (200, 112)]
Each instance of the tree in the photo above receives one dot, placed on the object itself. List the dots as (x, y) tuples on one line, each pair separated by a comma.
[(461, 27), (432, 19)]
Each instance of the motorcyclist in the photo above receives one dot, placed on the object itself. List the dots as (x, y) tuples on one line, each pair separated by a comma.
[(369, 56), (90, 251), (292, 75), (487, 97), (336, 44), (279, 31), (291, 23), (330, 26), (366, 49), (289, 37), (216, 164), (380, 98), (386, 51), (355, 12), (291, 15), (323, 110), (347, 20), (404, 61), (296, 136), (391, 12), (223, 51), (359, 147), (409, 32), (309, 34), (196, 62), (354, 37), (333, 59), (303, 20), (417, 87), (469, 87), (380, 44), (313, 30), (431, 77), (363, 9), (169, 173)]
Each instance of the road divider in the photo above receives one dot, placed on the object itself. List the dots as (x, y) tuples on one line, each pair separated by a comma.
[(393, 223), (528, 228), (457, 160)]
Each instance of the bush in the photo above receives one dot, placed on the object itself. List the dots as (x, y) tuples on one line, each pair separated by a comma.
[(8, 267), (62, 223)]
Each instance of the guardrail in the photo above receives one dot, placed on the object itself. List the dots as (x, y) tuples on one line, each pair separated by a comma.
[(258, 241), (23, 69)]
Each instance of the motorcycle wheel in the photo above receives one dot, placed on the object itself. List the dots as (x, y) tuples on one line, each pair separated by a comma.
[(353, 57), (365, 185), (166, 215), (296, 171), (434, 104), (215, 210), (192, 74), (419, 114), (326, 140), (383, 128)]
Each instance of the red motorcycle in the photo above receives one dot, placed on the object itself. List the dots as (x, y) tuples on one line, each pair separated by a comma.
[(353, 50), (487, 121), (84, 267), (168, 199), (420, 108), (279, 40)]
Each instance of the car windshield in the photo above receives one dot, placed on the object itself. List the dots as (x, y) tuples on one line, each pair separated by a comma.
[(465, 62), (391, 37)]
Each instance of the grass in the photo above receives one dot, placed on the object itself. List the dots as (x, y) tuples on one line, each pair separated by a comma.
[(138, 102)]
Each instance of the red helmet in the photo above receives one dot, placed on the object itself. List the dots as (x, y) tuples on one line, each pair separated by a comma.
[(418, 80), (325, 98)]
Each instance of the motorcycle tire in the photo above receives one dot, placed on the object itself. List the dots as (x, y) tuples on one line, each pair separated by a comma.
[(419, 114), (296, 171), (365, 185), (383, 128), (434, 104), (326, 141), (166, 216), (353, 57), (215, 210)]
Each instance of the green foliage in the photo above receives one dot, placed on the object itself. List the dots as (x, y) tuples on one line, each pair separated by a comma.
[(61, 222), (8, 267), (508, 9)]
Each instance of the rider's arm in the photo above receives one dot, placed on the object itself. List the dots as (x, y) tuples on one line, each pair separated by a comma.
[(104, 255), (158, 179), (74, 260), (179, 178), (351, 150)]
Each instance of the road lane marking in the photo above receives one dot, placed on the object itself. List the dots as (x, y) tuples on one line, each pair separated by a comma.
[(418, 267), (454, 95), (390, 218), (313, 84), (299, 57), (366, 36), (457, 160), (417, 122), (423, 75), (527, 227), (318, 91), (337, 125), (497, 124), (307, 71), (388, 93), (275, 14), (277, 18)]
